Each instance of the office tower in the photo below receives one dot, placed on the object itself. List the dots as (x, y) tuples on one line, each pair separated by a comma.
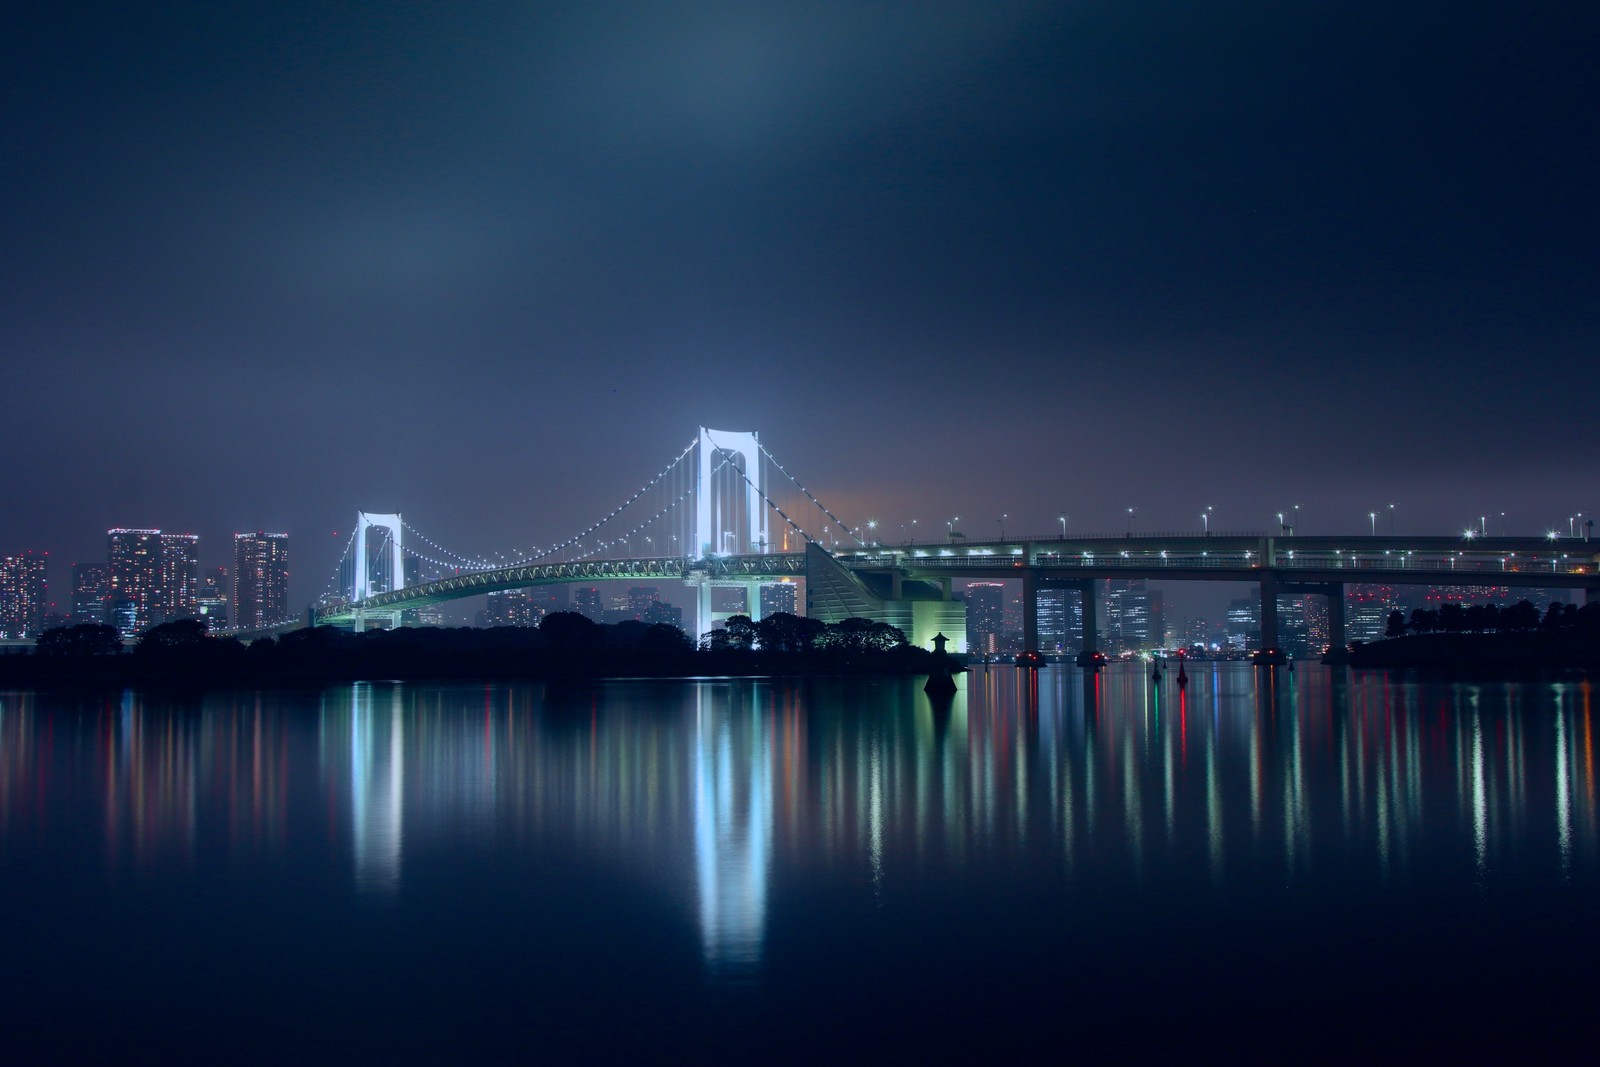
[(1367, 610), (1244, 623), (780, 596), (510, 607), (985, 616), (1294, 627), (1054, 608), (662, 612), (212, 602), (180, 577), (91, 593), (23, 594), (586, 602), (1134, 614), (640, 597), (260, 580), (134, 557)]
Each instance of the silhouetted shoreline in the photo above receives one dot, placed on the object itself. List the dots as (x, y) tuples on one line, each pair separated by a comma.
[(182, 655), (1483, 653)]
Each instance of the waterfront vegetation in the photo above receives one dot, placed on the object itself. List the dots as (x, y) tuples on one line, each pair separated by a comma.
[(564, 644), (1488, 637)]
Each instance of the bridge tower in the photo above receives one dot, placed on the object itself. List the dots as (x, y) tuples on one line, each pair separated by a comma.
[(717, 519), (362, 584)]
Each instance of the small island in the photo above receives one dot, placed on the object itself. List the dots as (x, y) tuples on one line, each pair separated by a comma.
[(565, 644)]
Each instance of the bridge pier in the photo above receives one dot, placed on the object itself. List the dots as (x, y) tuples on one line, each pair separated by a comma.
[(1091, 620), (1030, 610), (1338, 644), (1269, 611)]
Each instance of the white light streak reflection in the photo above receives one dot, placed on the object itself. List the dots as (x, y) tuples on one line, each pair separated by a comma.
[(732, 829), (377, 781)]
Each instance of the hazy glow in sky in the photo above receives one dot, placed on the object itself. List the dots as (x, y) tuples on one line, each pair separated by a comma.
[(490, 268)]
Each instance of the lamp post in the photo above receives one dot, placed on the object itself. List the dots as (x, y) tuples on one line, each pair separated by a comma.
[(1205, 517), (1002, 521), (1131, 521), (1373, 515), (1063, 518), (1391, 520)]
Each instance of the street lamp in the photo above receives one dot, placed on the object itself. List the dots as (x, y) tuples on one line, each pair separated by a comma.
[(1063, 517), (1205, 517), (1373, 515), (1002, 521), (1131, 519), (1391, 520)]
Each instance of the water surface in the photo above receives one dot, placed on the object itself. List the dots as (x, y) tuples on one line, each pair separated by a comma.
[(1266, 864)]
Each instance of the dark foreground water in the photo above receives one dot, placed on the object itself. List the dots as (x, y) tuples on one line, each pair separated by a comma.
[(1265, 867)]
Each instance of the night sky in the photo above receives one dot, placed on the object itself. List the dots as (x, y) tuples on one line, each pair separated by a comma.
[(491, 264)]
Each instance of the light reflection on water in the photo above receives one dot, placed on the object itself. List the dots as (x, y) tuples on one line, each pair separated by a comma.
[(730, 796)]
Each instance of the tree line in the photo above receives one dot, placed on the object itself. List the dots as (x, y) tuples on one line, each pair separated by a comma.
[(1521, 617), (563, 643)]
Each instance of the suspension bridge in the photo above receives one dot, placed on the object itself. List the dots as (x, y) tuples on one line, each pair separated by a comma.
[(725, 513)]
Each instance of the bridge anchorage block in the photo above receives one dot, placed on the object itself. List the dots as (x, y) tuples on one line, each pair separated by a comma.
[(1269, 657)]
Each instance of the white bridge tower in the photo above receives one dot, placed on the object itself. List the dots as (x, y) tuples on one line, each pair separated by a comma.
[(362, 585), (728, 527)]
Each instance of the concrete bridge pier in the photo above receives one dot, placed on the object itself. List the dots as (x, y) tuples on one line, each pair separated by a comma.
[(1338, 643), (1030, 610), (1269, 611), (1091, 619)]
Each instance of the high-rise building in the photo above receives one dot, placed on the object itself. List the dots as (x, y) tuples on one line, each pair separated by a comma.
[(212, 602), (510, 607), (985, 616), (1054, 607), (23, 594), (91, 593), (180, 577), (1244, 623), (586, 602), (1135, 615), (260, 580), (640, 597), (1367, 610), (662, 612), (134, 557), (779, 597)]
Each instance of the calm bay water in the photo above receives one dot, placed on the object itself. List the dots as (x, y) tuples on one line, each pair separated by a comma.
[(1266, 864)]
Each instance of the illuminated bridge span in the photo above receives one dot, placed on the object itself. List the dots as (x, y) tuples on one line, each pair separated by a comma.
[(522, 576), (724, 512)]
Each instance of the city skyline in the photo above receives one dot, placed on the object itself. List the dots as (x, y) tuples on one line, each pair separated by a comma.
[(486, 268)]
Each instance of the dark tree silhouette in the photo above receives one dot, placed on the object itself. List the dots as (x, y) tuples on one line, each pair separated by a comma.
[(86, 639), (787, 634), (178, 636), (571, 632), (1520, 616), (1397, 625)]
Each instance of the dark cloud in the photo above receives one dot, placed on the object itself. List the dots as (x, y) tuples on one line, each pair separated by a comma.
[(266, 265)]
